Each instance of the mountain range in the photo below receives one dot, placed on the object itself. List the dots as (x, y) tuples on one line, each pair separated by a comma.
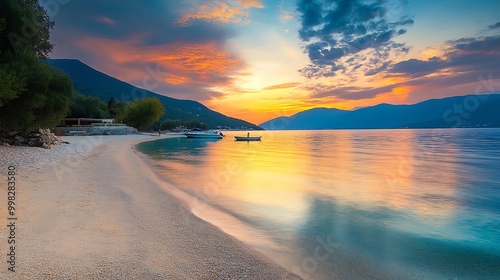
[(89, 81), (478, 110)]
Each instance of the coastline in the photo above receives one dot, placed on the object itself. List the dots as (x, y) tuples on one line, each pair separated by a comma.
[(92, 209)]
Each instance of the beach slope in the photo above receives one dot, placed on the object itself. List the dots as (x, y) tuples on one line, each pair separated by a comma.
[(91, 210)]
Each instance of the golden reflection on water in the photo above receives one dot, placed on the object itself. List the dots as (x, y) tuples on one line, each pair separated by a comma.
[(416, 200), (262, 178), (369, 169)]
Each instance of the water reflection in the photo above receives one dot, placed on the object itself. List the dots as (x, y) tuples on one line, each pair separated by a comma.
[(367, 241), (403, 202)]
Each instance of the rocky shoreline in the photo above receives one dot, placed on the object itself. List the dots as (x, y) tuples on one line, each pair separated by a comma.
[(42, 138)]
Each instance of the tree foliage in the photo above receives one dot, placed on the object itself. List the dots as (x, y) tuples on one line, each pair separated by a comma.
[(169, 124), (44, 100), (25, 28), (32, 93), (142, 114), (111, 107), (11, 84), (83, 106), (119, 109)]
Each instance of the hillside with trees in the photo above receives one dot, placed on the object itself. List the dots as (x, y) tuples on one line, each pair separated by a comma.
[(89, 81)]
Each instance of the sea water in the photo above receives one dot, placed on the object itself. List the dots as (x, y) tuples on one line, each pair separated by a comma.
[(350, 204)]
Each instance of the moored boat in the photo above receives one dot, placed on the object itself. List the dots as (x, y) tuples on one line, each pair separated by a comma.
[(212, 134), (247, 138)]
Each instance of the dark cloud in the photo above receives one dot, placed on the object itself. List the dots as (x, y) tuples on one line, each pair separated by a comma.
[(123, 39), (334, 30), (325, 70), (464, 55), (379, 69), (353, 93), (493, 26), (487, 44), (311, 14), (467, 65), (155, 21), (416, 68)]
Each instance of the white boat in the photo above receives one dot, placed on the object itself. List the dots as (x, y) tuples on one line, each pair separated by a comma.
[(247, 138), (212, 134)]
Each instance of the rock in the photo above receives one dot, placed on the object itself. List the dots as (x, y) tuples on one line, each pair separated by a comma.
[(12, 133), (41, 138), (44, 131), (36, 143), (20, 139)]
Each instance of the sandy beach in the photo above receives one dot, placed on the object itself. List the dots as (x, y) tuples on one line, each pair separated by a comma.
[(94, 210)]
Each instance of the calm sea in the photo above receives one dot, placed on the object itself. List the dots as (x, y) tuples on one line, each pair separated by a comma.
[(350, 204)]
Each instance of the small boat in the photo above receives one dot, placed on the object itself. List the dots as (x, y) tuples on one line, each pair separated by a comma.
[(247, 138), (211, 134)]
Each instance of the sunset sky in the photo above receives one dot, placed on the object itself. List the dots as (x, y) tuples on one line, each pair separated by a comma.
[(260, 59)]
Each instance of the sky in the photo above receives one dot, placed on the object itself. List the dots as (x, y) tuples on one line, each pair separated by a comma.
[(261, 59)]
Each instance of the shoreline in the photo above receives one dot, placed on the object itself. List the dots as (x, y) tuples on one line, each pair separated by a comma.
[(93, 209), (201, 207)]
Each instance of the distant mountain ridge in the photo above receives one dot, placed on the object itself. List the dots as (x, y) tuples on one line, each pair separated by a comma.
[(89, 81), (459, 111)]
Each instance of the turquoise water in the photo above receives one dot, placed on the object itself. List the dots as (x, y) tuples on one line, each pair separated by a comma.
[(351, 204)]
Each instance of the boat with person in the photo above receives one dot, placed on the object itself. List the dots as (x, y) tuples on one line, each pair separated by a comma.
[(247, 138), (211, 134)]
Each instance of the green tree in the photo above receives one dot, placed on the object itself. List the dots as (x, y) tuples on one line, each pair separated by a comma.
[(11, 84), (24, 28), (83, 106), (195, 124), (111, 107), (32, 93), (172, 124), (119, 109), (44, 100), (142, 114)]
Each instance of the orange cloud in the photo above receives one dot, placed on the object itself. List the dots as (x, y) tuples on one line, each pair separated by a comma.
[(205, 65), (175, 80), (251, 4), (201, 64), (222, 12)]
